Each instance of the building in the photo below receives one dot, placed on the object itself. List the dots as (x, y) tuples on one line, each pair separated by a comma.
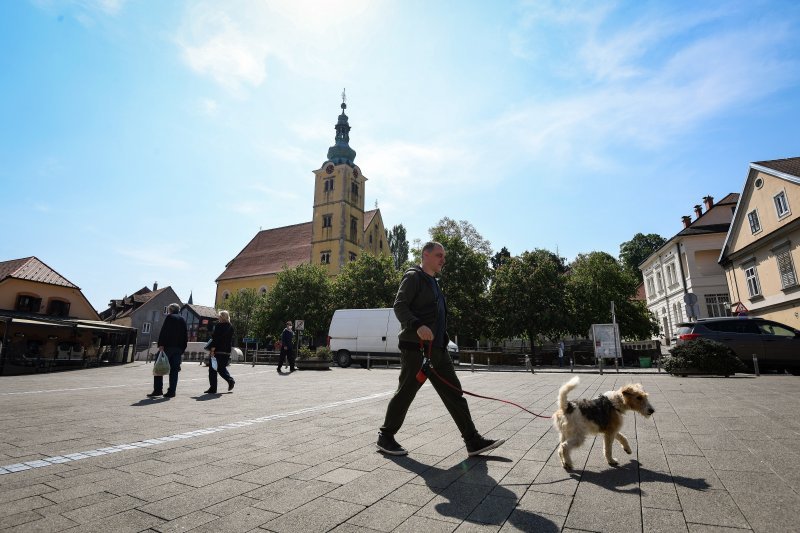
[(687, 264), (339, 231), (762, 248), (144, 310), (200, 321), (47, 322)]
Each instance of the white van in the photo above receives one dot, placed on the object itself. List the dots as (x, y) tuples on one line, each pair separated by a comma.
[(356, 334)]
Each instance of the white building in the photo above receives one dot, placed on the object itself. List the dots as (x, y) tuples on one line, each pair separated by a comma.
[(687, 263)]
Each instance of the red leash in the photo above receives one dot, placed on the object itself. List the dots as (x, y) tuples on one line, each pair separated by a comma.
[(426, 366)]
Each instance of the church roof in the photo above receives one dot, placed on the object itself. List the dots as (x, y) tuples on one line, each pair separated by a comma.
[(32, 269), (271, 250), (368, 216)]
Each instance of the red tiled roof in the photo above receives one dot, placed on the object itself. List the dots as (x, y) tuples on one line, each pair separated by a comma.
[(203, 311), (32, 269), (368, 216), (270, 250), (789, 165)]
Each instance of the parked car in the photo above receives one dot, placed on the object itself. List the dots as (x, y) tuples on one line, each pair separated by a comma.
[(356, 334), (776, 345)]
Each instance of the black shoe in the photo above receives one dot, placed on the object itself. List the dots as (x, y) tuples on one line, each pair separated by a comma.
[(388, 445), (209, 391), (478, 445), (231, 383), (169, 395), (292, 370), (155, 394)]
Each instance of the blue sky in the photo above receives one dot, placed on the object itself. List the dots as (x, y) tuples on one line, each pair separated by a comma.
[(149, 141)]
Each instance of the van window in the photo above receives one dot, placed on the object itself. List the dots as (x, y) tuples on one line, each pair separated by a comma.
[(773, 328)]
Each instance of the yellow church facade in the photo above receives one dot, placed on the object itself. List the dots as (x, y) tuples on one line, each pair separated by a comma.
[(340, 229)]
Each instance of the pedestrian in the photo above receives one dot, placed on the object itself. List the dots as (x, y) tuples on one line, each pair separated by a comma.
[(421, 309), (286, 347), (172, 340), (220, 348), (560, 353)]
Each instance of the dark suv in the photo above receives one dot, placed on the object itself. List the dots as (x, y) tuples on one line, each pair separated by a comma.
[(776, 345)]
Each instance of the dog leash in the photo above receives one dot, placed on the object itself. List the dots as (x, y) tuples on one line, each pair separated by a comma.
[(426, 368)]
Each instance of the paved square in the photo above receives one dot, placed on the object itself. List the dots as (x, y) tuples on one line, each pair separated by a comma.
[(86, 451)]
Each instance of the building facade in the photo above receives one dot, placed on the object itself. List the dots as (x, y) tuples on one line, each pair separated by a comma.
[(144, 310), (762, 249), (687, 264), (340, 229)]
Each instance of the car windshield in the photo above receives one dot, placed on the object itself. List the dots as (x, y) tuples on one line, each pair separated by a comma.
[(772, 328)]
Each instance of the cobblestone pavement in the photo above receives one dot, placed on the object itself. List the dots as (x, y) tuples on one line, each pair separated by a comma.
[(86, 451)]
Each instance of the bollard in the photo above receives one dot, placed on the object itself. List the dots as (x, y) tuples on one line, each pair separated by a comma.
[(616, 364), (571, 365), (755, 365), (472, 361), (658, 364), (488, 362), (368, 361), (601, 366), (387, 363)]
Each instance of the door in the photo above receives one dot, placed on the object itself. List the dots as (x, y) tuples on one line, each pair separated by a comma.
[(743, 336), (781, 345), (372, 331)]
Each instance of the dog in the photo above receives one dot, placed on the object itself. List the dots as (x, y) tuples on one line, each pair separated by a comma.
[(577, 419)]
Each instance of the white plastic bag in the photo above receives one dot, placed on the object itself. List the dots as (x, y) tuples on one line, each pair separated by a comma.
[(213, 362), (161, 366)]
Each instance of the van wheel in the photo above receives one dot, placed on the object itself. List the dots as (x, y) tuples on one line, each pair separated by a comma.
[(344, 358)]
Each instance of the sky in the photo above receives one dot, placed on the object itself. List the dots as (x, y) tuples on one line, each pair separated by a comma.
[(145, 141)]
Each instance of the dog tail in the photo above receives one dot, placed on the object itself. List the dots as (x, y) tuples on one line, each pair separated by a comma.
[(564, 390)]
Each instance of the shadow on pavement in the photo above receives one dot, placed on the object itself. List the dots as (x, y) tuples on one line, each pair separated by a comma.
[(149, 401), (633, 473), (464, 500), (207, 396)]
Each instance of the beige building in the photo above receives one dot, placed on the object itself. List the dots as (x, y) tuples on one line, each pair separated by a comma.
[(762, 248), (339, 231)]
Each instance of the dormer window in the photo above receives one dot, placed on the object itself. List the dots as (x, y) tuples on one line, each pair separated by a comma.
[(28, 304)]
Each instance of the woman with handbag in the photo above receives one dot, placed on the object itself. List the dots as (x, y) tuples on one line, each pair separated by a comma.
[(220, 348)]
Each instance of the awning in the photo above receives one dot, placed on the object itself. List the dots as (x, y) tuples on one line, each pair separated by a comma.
[(30, 322)]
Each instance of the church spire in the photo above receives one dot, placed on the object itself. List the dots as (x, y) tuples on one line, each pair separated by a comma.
[(341, 152)]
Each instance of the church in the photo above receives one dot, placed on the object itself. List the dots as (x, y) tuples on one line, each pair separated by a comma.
[(339, 230)]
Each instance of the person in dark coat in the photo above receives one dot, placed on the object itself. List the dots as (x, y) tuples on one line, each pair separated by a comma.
[(220, 348), (172, 340), (286, 347)]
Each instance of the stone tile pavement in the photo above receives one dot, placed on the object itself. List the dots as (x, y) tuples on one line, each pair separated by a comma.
[(86, 451)]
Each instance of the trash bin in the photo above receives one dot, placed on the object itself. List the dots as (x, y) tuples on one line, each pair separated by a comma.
[(645, 362)]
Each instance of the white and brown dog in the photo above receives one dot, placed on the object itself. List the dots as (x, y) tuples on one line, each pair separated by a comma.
[(578, 419)]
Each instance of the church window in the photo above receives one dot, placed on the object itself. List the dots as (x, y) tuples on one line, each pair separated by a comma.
[(352, 256), (354, 190), (380, 244), (329, 185), (327, 221), (263, 290), (370, 238), (325, 257), (226, 295), (354, 229)]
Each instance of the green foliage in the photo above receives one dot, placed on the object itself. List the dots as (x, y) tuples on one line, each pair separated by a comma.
[(463, 281), (704, 356), (594, 281), (462, 230), (500, 258), (398, 244), (639, 248), (305, 353), (302, 292), (369, 282), (324, 354), (245, 306), (528, 296)]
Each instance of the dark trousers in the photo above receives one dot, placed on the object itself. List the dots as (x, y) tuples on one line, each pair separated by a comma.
[(286, 353), (456, 404), (223, 360), (174, 355)]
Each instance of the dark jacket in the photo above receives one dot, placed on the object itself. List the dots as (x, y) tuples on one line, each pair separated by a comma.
[(415, 306), (173, 333), (222, 337), (286, 338)]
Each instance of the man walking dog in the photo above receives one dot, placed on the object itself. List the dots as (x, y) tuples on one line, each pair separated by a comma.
[(421, 309)]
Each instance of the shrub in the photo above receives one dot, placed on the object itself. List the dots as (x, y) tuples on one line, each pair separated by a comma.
[(324, 353), (305, 353), (704, 356)]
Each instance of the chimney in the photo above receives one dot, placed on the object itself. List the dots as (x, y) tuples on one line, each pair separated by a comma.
[(155, 283), (687, 221), (698, 211), (709, 202)]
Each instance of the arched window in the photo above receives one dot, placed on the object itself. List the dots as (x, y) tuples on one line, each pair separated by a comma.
[(263, 290), (226, 295)]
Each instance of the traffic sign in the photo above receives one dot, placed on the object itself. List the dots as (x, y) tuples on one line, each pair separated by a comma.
[(299, 325), (740, 308), (690, 298)]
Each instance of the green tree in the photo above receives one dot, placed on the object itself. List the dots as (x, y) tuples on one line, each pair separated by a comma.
[(398, 244), (528, 297), (369, 282), (500, 258), (464, 231), (301, 293), (244, 307), (594, 281), (639, 248)]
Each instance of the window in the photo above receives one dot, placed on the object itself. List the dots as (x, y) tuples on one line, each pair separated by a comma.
[(352, 256), (671, 276), (753, 287), (28, 304), (58, 308), (263, 291), (327, 221), (755, 224), (370, 238), (354, 190), (146, 327), (718, 305), (773, 328), (651, 288), (380, 244), (786, 269), (659, 282), (781, 204), (676, 310), (325, 257), (354, 229), (226, 295), (329, 185)]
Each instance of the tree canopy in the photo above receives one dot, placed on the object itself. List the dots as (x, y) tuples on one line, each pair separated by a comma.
[(398, 245), (639, 248), (369, 282)]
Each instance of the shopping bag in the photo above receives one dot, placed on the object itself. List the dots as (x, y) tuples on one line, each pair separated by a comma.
[(213, 362), (161, 366), (208, 344)]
